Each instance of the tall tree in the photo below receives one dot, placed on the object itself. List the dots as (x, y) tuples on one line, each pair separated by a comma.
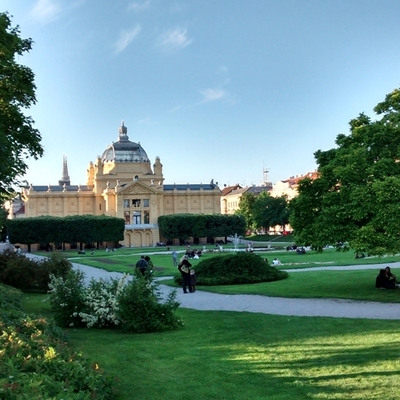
[(246, 207), (270, 211), (19, 140), (355, 200)]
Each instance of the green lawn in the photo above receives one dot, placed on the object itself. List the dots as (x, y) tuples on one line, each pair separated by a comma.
[(123, 260), (245, 356)]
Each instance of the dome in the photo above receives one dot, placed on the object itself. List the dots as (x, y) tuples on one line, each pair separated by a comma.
[(124, 150)]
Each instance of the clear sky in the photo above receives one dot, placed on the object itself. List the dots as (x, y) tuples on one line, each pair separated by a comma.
[(218, 89)]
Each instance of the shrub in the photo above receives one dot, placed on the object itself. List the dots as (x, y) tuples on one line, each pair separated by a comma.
[(67, 298), (136, 306), (235, 268), (101, 302), (141, 308), (31, 274), (36, 363)]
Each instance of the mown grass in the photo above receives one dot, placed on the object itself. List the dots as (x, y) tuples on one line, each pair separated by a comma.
[(124, 260), (230, 355), (353, 284)]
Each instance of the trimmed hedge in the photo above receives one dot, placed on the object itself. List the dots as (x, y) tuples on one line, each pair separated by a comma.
[(234, 269)]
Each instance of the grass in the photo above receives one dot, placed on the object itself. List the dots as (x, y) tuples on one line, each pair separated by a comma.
[(241, 356), (353, 284)]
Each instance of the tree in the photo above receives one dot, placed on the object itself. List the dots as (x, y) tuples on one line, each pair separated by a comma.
[(270, 211), (355, 200), (18, 138), (246, 207)]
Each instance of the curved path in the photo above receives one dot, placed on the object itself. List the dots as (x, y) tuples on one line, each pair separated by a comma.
[(337, 308)]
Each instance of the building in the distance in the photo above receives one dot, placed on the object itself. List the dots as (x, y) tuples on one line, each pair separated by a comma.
[(123, 183), (289, 187)]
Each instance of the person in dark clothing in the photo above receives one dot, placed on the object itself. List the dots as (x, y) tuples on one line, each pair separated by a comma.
[(142, 265), (184, 269), (380, 281), (391, 281)]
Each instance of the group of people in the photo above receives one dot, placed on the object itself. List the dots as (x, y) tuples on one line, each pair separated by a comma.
[(188, 275), (386, 280), (144, 266)]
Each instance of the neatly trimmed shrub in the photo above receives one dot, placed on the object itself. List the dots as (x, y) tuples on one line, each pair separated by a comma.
[(235, 268)]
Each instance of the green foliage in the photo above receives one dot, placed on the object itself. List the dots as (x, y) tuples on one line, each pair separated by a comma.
[(67, 298), (30, 274), (35, 362), (235, 268), (183, 226), (70, 229), (142, 309), (355, 198), (18, 139), (270, 211), (135, 307), (246, 208)]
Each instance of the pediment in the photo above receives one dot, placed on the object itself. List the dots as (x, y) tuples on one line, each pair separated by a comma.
[(135, 188)]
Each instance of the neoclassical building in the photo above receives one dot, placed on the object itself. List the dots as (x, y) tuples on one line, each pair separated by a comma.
[(122, 183)]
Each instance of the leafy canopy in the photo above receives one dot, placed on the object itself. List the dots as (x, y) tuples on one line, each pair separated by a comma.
[(19, 140), (355, 200)]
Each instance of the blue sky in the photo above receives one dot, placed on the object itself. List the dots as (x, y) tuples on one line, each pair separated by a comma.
[(217, 89)]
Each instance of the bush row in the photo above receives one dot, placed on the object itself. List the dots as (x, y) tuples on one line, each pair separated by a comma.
[(29, 274), (36, 363)]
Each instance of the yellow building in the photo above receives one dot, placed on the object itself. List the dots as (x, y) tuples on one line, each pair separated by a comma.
[(122, 183)]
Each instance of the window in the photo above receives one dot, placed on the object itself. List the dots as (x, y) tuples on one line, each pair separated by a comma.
[(136, 203), (146, 202), (136, 218), (126, 203), (127, 217), (146, 217)]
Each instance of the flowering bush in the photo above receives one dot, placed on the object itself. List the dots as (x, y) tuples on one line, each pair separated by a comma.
[(135, 306), (101, 302), (67, 298)]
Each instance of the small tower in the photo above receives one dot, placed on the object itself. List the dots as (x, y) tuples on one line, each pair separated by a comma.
[(65, 177)]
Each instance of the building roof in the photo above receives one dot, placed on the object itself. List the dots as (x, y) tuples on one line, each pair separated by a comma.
[(190, 186), (123, 150), (58, 188), (228, 189)]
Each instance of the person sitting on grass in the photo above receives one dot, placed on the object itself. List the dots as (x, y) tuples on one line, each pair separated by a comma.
[(380, 281), (391, 281)]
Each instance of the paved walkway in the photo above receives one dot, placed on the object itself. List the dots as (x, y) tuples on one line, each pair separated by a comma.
[(337, 308)]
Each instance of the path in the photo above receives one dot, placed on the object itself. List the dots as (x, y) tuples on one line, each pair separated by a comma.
[(337, 308)]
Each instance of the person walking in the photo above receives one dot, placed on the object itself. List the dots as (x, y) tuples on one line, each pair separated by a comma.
[(142, 265), (175, 258)]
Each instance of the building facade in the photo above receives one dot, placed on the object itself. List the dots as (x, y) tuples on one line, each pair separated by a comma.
[(122, 183)]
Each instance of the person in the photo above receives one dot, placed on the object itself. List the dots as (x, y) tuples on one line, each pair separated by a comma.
[(390, 279), (150, 265), (380, 281), (175, 258), (276, 262), (184, 269), (193, 280), (142, 265)]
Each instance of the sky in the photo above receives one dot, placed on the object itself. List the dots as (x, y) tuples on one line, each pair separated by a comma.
[(218, 89)]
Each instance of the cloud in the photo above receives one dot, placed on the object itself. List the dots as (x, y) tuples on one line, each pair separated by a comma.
[(139, 6), (213, 95), (46, 11), (174, 40), (126, 37)]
